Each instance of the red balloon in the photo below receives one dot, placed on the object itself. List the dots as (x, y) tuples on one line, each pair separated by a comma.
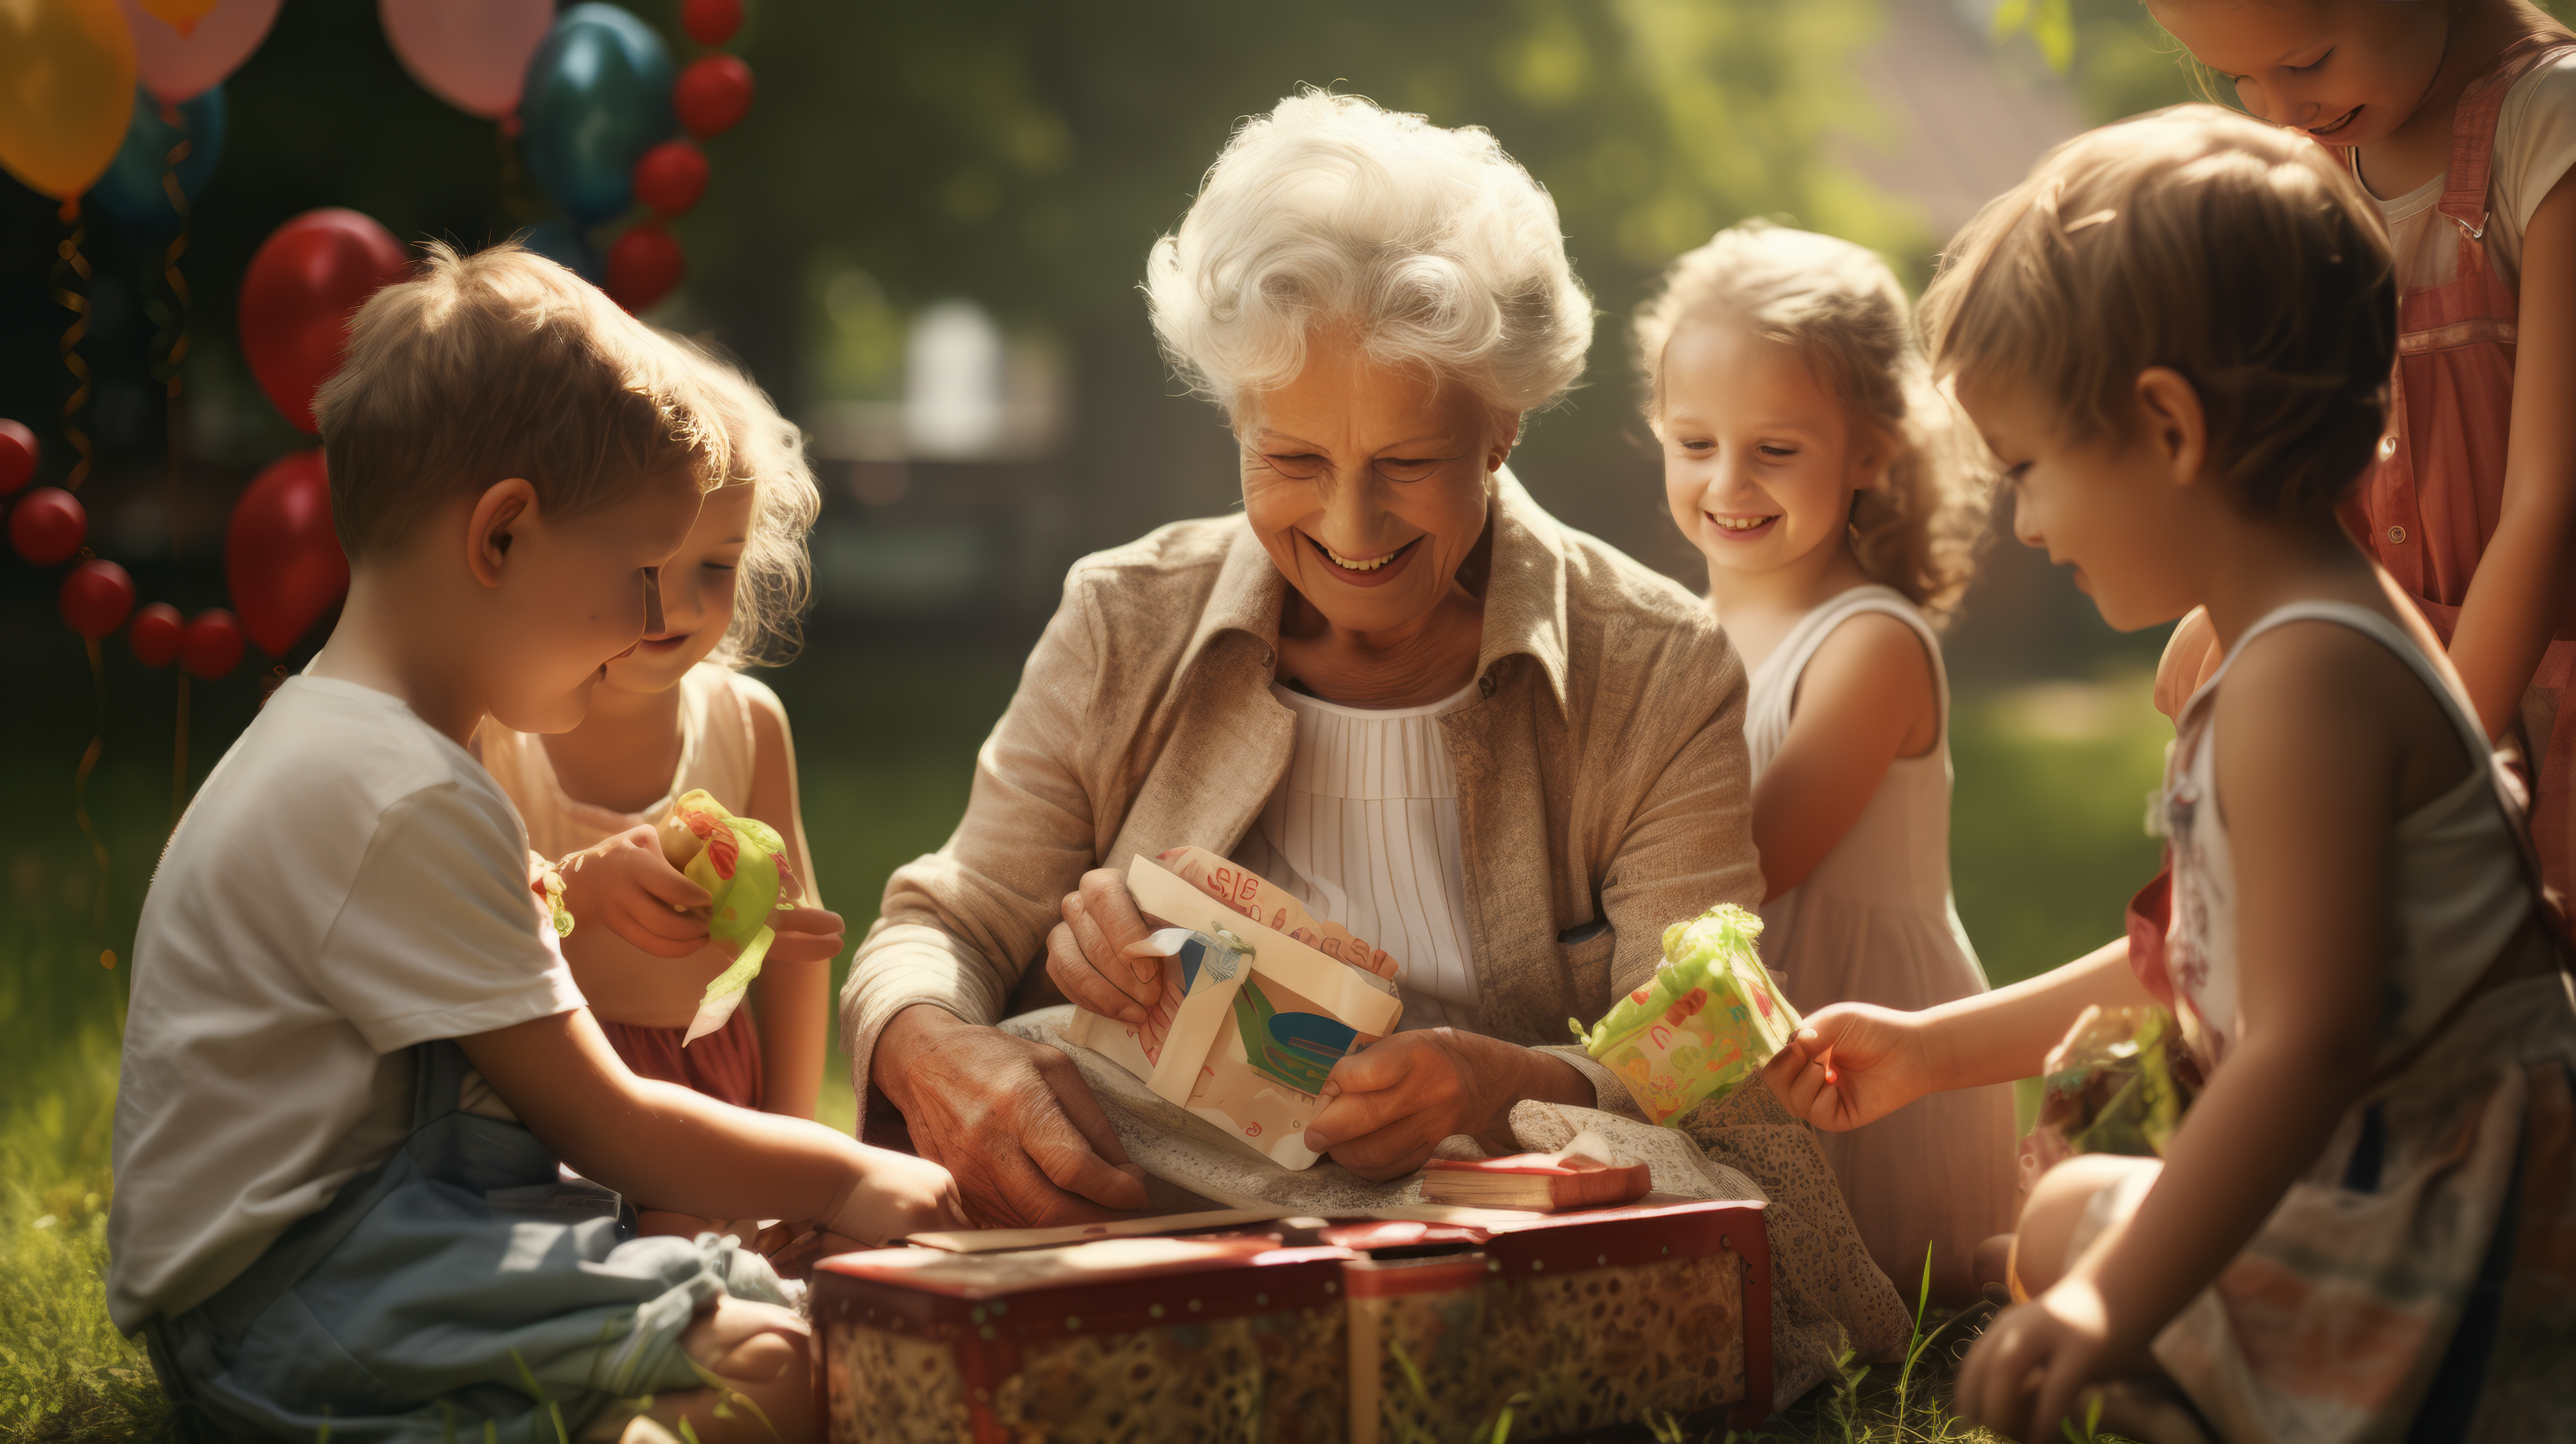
[(711, 22), (671, 176), (17, 456), (155, 634), (282, 561), (712, 95), (212, 644), (48, 525), (97, 597), (643, 265), (295, 302)]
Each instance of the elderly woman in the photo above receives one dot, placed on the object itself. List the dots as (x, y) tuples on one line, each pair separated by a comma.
[(1393, 685)]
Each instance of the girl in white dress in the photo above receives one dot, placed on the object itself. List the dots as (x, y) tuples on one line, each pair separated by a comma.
[(1837, 497)]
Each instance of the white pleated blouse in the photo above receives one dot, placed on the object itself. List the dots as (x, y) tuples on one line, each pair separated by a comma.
[(1363, 829)]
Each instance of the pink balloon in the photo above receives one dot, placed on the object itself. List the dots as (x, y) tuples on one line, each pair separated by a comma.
[(176, 67), (473, 54)]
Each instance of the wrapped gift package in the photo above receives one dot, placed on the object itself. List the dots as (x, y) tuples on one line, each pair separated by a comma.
[(1131, 1340), (1703, 1025), (1573, 1322), (1251, 1019)]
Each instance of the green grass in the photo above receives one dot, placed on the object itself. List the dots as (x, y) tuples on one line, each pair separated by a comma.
[(2046, 846)]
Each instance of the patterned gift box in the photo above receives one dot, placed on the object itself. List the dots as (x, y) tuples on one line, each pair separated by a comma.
[(1703, 1025), (1574, 1322), (1132, 1340)]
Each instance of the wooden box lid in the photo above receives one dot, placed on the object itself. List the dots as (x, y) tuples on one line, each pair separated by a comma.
[(1117, 1286)]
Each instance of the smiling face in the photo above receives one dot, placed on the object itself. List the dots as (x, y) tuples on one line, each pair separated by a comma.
[(569, 597), (697, 596), (1367, 484), (1759, 458), (2120, 514), (2349, 72)]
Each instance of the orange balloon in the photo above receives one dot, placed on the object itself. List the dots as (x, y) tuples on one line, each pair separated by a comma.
[(179, 15), (66, 92)]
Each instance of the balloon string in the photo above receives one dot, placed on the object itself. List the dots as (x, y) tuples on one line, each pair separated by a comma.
[(70, 270), (179, 758), (80, 782), (172, 343)]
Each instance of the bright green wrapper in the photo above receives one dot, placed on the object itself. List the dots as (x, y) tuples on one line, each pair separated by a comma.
[(1707, 1021), (742, 863)]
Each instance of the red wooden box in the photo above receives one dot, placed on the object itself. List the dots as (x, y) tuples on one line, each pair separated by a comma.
[(1128, 1340), (1574, 1322)]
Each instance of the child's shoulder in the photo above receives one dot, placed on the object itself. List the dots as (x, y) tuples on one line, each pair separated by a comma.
[(715, 685), (314, 775), (2535, 137)]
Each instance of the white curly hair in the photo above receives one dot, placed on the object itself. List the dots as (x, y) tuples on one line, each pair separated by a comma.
[(1434, 246)]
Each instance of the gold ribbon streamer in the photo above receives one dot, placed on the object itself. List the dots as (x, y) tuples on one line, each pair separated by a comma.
[(71, 264), (80, 785)]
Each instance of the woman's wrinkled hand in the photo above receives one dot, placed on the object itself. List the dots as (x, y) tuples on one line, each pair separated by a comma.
[(1875, 1056), (1388, 1105), (1029, 1145), (623, 884), (1099, 955), (2028, 1372)]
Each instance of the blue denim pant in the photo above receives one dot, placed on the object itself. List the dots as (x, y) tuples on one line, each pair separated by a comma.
[(460, 1291)]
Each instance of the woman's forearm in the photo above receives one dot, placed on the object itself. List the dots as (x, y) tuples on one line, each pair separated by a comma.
[(2005, 1035)]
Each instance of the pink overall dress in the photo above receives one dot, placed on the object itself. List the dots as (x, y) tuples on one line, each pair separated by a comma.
[(2428, 508)]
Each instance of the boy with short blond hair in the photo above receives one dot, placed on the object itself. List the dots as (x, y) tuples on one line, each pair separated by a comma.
[(354, 1054)]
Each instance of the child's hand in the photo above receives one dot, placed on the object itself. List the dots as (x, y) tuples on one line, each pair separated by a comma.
[(805, 935), (624, 885), (2028, 1371), (1875, 1057), (898, 1195)]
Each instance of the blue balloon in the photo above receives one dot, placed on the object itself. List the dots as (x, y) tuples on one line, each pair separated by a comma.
[(564, 246), (131, 190), (598, 96)]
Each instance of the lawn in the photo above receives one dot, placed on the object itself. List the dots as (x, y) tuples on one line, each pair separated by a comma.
[(2047, 844)]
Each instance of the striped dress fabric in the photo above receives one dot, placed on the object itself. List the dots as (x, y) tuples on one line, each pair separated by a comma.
[(1363, 829)]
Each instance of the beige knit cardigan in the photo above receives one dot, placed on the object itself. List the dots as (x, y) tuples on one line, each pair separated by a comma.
[(1603, 787)]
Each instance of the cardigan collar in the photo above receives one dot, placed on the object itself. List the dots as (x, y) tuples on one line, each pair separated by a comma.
[(1524, 590)]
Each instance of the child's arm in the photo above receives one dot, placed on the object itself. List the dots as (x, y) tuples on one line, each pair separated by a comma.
[(1884, 1059), (2519, 598), (688, 1152), (793, 996), (1865, 700), (2311, 759)]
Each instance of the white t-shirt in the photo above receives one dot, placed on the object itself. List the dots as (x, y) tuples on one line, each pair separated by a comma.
[(348, 883), (2535, 143)]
